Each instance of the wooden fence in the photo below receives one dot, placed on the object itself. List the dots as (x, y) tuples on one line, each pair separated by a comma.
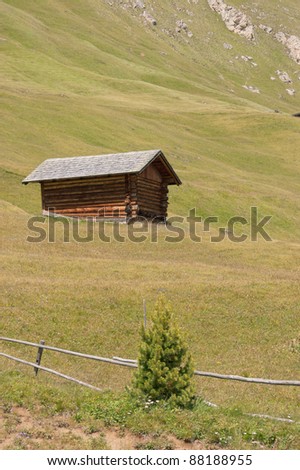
[(120, 362)]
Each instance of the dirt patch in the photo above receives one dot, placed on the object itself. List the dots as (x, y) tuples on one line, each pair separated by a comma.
[(123, 440), (24, 429)]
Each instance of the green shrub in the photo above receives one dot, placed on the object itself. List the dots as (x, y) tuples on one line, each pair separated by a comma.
[(164, 368)]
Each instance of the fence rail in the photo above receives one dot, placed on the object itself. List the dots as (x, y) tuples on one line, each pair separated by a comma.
[(51, 371), (127, 363)]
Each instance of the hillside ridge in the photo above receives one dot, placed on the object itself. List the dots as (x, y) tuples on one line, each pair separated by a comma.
[(236, 20)]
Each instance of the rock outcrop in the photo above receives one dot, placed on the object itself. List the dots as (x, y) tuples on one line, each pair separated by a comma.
[(266, 29), (284, 76), (149, 18), (251, 88), (182, 26), (235, 20), (292, 43), (281, 37), (291, 91), (138, 4)]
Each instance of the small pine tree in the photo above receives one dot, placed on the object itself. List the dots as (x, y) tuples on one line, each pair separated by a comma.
[(164, 367)]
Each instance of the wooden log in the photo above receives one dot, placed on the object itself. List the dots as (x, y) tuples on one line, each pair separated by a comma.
[(92, 203), (86, 186), (247, 379), (149, 200), (107, 192), (63, 351), (85, 178), (149, 197), (86, 189), (153, 210), (83, 207), (85, 202), (145, 187), (146, 194), (95, 203), (96, 216), (87, 181), (129, 361), (148, 212), (51, 371), (87, 210), (149, 191), (149, 180), (117, 192), (152, 202), (91, 214), (84, 181), (86, 197), (154, 206), (94, 213), (153, 185), (108, 206)]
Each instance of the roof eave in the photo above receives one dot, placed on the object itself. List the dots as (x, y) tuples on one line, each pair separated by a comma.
[(79, 177), (160, 153)]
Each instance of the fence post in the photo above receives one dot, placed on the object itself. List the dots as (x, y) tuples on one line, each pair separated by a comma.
[(39, 357)]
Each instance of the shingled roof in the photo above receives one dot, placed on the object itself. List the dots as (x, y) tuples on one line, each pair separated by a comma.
[(97, 165)]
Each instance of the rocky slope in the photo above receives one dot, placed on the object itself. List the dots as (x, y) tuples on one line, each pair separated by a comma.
[(234, 19), (191, 23)]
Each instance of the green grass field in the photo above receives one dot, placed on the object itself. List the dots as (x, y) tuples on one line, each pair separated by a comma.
[(84, 78)]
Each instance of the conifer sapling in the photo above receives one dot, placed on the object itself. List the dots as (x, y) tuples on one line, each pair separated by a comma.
[(165, 368)]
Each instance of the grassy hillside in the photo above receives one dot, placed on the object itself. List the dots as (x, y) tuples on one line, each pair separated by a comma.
[(83, 78)]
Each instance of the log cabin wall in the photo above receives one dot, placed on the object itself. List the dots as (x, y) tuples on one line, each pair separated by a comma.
[(90, 197), (152, 196)]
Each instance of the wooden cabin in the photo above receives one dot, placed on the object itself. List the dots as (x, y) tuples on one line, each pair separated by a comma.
[(115, 186)]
